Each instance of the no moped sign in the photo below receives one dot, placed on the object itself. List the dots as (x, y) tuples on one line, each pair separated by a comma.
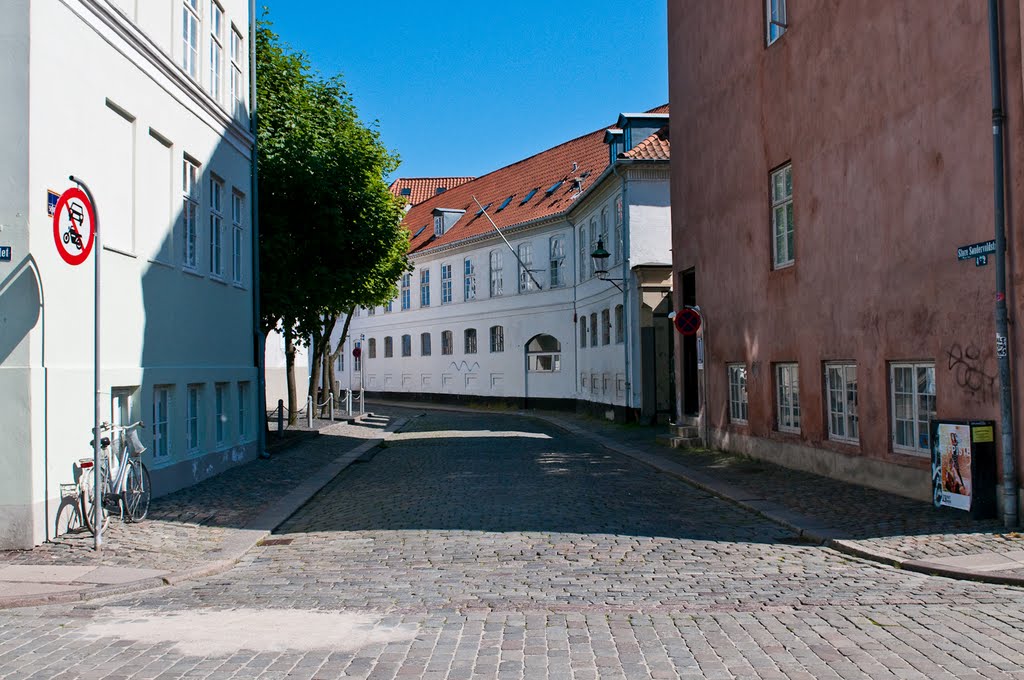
[(74, 226)]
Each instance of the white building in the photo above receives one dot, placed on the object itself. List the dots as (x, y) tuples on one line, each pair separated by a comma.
[(528, 321), (147, 103)]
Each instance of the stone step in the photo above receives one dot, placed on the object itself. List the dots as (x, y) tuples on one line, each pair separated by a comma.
[(693, 442)]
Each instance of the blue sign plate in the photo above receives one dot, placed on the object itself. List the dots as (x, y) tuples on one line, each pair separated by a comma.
[(975, 249), (5, 253)]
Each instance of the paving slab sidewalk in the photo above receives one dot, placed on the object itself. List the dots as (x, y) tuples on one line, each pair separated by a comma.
[(197, 531)]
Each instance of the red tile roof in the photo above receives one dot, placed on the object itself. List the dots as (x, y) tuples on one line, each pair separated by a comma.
[(654, 148), (583, 158), (422, 188)]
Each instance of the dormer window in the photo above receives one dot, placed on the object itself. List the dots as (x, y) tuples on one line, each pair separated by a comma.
[(439, 225)]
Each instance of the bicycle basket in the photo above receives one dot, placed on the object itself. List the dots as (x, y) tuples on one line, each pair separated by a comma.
[(135, 446)]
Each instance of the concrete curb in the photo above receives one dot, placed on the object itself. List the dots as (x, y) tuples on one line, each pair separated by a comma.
[(235, 547)]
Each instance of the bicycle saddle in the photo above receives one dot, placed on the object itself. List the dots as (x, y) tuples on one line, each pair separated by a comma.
[(104, 442)]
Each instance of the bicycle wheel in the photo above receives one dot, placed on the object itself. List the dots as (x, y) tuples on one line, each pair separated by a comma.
[(137, 491), (88, 483)]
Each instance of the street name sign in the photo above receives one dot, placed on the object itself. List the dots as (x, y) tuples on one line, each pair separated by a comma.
[(975, 250), (5, 253)]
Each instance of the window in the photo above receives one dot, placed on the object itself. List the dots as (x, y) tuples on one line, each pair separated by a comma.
[(583, 331), (216, 49), (841, 389), (620, 326), (497, 339), (236, 237), (593, 240), (371, 311), (446, 284), (190, 212), (357, 363), (216, 227), (496, 276), (776, 19), (782, 216), (425, 344), (424, 288), (525, 251), (556, 248), (738, 393), (237, 84), (470, 338), (602, 235), (220, 403), (447, 346), (406, 345), (543, 355), (468, 280), (619, 243), (593, 329), (913, 406), (438, 225), (389, 307), (192, 418), (371, 348), (584, 255), (606, 327), (787, 383), (389, 347), (406, 292), (243, 411), (190, 38), (161, 420)]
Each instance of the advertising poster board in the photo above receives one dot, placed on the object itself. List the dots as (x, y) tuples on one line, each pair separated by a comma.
[(951, 465)]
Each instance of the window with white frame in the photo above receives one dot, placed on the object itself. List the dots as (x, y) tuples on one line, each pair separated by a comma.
[(243, 411), (446, 284), (220, 407), (216, 49), (584, 255), (389, 347), (602, 234), (619, 243), (406, 291), (425, 344), (470, 340), (556, 249), (371, 311), (787, 397), (620, 326), (544, 355), (913, 406), (237, 84), (438, 225), (593, 330), (497, 339), (424, 288), (371, 348), (192, 429), (841, 397), (406, 345), (775, 11), (593, 240), (216, 227), (738, 393), (497, 280), (583, 331), (389, 306), (782, 216), (190, 212), (525, 252), (447, 344), (606, 327), (236, 237), (468, 280), (190, 38), (161, 421)]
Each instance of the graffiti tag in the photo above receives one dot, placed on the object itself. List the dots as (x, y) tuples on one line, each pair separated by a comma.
[(969, 370)]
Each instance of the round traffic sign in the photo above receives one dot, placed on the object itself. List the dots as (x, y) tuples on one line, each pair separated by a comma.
[(356, 351), (74, 226), (687, 321)]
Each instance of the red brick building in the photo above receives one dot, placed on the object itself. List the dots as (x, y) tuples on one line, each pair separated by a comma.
[(829, 160)]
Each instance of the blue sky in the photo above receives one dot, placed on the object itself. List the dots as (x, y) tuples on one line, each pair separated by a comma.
[(463, 88)]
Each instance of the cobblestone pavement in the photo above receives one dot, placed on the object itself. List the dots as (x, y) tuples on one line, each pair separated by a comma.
[(491, 546)]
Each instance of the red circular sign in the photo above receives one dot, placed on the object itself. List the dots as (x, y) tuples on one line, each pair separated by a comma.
[(74, 226), (687, 321), (356, 351)]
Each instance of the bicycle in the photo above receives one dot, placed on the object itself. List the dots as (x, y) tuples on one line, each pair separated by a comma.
[(129, 492)]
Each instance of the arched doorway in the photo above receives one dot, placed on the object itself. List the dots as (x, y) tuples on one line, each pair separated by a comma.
[(543, 362)]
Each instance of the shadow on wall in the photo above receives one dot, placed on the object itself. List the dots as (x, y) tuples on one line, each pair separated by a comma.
[(20, 307)]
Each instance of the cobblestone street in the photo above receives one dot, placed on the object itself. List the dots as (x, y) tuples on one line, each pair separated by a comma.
[(496, 546)]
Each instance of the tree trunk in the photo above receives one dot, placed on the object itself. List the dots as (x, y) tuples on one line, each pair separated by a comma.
[(289, 364), (316, 348)]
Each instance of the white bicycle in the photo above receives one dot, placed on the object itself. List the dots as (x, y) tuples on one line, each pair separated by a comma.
[(124, 479)]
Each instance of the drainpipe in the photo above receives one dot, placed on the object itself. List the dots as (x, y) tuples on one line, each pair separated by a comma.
[(259, 347), (1002, 331)]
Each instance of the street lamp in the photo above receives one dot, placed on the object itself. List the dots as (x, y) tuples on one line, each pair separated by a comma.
[(600, 257)]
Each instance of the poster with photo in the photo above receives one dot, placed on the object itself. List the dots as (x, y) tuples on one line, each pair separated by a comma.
[(951, 465)]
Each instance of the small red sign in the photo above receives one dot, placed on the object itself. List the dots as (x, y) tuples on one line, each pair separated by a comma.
[(687, 321), (74, 226), (356, 351)]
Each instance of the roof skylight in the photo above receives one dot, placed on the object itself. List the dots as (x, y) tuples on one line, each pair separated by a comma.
[(481, 210), (504, 204), (528, 197), (420, 231), (554, 187)]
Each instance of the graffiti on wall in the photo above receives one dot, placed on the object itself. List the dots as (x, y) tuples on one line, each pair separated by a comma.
[(971, 373)]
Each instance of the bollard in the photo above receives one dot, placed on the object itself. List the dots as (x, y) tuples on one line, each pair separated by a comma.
[(348, 403), (309, 412), (330, 405), (280, 417), (362, 405)]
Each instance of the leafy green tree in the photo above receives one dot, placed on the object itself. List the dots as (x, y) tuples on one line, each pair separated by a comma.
[(330, 231)]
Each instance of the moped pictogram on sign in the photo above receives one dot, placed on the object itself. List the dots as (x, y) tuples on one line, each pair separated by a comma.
[(74, 226)]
